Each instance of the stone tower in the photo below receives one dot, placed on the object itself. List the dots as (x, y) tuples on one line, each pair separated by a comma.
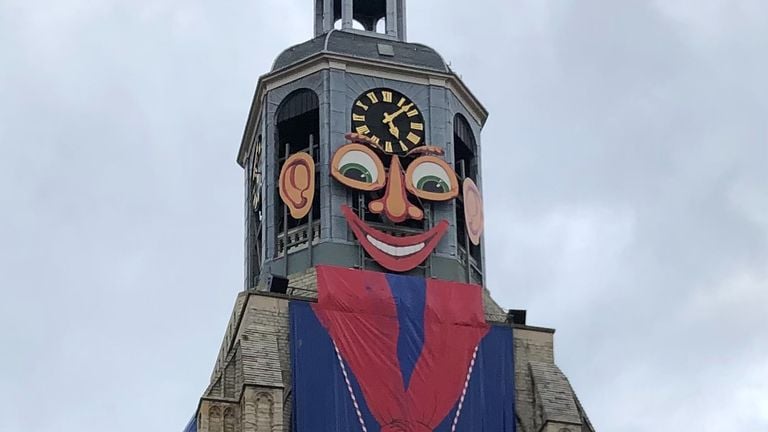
[(355, 151)]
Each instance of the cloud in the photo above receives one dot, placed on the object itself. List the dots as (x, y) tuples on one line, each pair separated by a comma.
[(624, 174), (629, 143)]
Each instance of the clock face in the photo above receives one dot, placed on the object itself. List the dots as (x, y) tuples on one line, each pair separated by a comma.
[(389, 119)]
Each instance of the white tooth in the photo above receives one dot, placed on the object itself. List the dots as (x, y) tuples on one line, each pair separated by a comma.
[(411, 249), (395, 250)]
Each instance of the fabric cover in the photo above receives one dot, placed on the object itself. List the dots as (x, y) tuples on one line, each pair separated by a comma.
[(394, 353), (192, 425)]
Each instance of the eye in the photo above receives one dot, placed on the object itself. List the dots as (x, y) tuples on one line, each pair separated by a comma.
[(358, 167), (431, 178)]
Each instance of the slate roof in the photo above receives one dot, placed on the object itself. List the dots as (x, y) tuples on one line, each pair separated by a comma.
[(261, 359), (554, 393), (362, 46)]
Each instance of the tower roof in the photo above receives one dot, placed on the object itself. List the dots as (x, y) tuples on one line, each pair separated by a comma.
[(366, 47)]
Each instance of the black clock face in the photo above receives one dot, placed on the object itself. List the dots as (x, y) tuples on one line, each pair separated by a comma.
[(389, 119)]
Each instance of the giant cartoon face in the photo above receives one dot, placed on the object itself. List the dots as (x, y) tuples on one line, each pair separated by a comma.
[(387, 156), (364, 166)]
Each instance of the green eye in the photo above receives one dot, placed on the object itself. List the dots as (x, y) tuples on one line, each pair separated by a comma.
[(431, 178), (359, 167), (356, 172), (432, 183)]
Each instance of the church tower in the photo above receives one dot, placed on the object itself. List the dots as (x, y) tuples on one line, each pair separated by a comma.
[(364, 305), (345, 81)]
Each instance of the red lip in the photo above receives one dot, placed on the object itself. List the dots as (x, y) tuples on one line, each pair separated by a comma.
[(398, 254)]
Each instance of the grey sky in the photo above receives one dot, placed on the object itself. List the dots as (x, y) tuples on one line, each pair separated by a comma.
[(626, 186)]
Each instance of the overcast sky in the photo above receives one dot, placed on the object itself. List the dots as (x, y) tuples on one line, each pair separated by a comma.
[(626, 187)]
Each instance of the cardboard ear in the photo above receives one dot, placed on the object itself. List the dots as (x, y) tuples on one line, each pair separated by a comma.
[(473, 211), (297, 184)]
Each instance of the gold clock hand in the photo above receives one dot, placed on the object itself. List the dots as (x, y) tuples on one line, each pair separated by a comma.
[(388, 118), (394, 130)]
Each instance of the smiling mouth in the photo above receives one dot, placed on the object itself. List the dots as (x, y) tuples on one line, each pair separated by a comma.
[(396, 251), (399, 254)]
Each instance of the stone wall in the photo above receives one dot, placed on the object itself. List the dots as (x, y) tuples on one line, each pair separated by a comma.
[(545, 400)]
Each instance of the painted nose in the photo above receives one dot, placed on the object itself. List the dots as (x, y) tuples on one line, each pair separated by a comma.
[(395, 204)]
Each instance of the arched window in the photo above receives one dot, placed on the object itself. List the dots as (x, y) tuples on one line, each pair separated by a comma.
[(255, 223), (363, 15), (369, 12), (230, 422), (366, 14), (215, 423), (297, 129), (465, 161), (464, 148)]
